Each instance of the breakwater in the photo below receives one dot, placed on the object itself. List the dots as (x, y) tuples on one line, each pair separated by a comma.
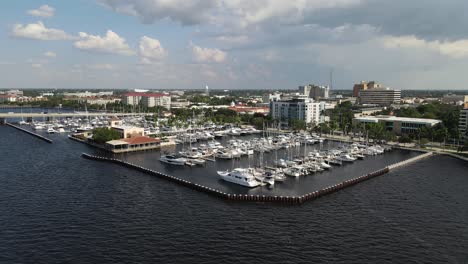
[(30, 133), (262, 198)]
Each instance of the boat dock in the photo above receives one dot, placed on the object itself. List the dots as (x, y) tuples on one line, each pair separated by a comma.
[(30, 133), (291, 200)]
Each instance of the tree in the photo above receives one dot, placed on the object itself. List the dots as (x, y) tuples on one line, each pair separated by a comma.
[(298, 125), (103, 134), (405, 139)]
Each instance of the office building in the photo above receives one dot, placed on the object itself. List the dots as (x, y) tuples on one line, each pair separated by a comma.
[(380, 96), (304, 109), (398, 125)]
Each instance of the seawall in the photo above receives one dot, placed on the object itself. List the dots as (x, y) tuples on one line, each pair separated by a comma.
[(30, 133)]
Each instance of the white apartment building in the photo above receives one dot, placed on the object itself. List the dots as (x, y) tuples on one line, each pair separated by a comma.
[(156, 99), (147, 99), (298, 108)]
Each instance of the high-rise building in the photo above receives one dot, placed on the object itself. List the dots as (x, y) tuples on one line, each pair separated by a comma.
[(380, 96), (463, 124), (304, 109), (314, 91)]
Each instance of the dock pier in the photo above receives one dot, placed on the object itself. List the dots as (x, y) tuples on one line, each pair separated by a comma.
[(30, 133), (288, 200)]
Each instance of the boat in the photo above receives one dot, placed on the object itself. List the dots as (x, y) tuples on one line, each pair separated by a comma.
[(240, 176), (198, 161), (173, 159), (346, 158), (51, 130)]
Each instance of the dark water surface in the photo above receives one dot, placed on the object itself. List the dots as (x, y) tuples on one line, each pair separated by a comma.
[(56, 207)]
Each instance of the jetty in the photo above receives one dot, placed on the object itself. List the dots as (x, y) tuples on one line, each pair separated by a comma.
[(290, 200), (30, 133)]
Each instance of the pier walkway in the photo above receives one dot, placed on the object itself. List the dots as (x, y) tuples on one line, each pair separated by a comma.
[(30, 133)]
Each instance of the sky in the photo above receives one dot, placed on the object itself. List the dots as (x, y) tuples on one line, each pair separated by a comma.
[(233, 44)]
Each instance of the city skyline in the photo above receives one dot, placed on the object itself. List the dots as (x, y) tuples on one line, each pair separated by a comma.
[(120, 44)]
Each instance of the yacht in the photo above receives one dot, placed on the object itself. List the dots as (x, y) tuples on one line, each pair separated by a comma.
[(240, 176), (172, 159), (50, 130), (346, 158)]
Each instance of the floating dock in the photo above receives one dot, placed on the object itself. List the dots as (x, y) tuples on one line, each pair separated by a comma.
[(291, 200), (30, 133)]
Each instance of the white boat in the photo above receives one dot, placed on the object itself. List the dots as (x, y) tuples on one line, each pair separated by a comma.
[(172, 159), (293, 171), (324, 165), (198, 161), (51, 130), (221, 154), (346, 158), (240, 176)]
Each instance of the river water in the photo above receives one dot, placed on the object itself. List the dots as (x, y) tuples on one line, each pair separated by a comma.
[(56, 207)]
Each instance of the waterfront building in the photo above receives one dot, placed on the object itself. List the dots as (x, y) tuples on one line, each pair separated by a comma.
[(380, 96), (304, 109), (147, 99), (250, 110), (88, 94), (133, 144), (129, 131), (314, 91), (398, 125), (463, 124), (6, 98), (156, 99)]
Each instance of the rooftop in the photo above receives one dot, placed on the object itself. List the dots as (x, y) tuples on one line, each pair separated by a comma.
[(141, 140), (401, 119), (145, 94)]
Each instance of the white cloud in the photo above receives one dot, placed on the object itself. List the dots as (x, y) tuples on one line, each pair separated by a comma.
[(36, 65), (208, 55), (455, 49), (39, 31), (50, 54), (110, 43), (42, 11), (150, 50), (149, 11), (105, 66)]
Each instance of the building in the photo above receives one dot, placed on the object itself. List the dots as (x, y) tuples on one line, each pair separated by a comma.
[(270, 97), (129, 131), (156, 99), (463, 124), (454, 99), (249, 110), (380, 96), (314, 91), (398, 125), (88, 94), (295, 109), (133, 144), (363, 85), (5, 98), (147, 99)]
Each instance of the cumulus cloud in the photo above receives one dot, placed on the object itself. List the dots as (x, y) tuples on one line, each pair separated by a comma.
[(50, 54), (42, 11), (183, 11), (110, 43), (150, 50), (207, 55), (39, 31), (456, 49)]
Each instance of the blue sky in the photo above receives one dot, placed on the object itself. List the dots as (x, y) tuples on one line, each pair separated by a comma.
[(235, 44)]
